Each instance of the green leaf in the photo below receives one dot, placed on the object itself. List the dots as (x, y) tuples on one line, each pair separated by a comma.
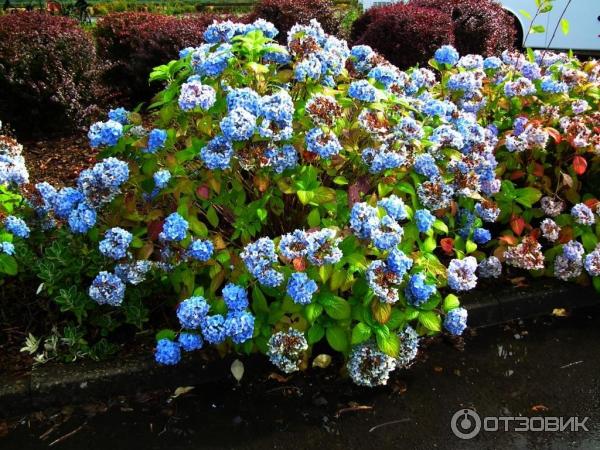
[(337, 338), (388, 342), (8, 265), (262, 214), (564, 25), (538, 29), (429, 245), (313, 311), (360, 333), (315, 333), (470, 246), (450, 302), (212, 217), (589, 241), (430, 320), (340, 180), (596, 283), (166, 334), (314, 218), (305, 196), (259, 302), (336, 307), (525, 14), (527, 196), (440, 226)]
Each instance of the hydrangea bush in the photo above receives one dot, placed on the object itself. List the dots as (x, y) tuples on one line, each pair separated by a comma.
[(314, 192)]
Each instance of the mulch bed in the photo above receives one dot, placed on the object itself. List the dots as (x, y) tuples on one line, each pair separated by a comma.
[(58, 160)]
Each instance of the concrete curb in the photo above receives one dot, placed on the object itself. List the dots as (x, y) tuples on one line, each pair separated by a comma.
[(59, 384)]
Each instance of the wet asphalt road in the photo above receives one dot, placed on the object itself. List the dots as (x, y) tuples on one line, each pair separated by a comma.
[(547, 367)]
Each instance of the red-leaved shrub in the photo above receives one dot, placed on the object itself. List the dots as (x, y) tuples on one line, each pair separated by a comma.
[(48, 73), (480, 26), (404, 34), (133, 43), (286, 13)]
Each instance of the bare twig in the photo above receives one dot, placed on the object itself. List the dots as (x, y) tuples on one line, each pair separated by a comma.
[(353, 408), (571, 364), (393, 422), (66, 436)]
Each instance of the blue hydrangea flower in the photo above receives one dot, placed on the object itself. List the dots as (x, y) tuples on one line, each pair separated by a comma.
[(521, 87), (490, 267), (102, 183), (217, 153), (301, 288), (134, 272), (115, 243), (190, 341), (192, 312), (174, 229), (120, 115), (82, 218), (488, 212), (7, 248), (388, 234), (399, 263), (245, 98), (383, 281), (285, 349), (266, 27), (200, 250), (461, 274), (156, 140), (323, 247), (282, 158), (424, 220), (294, 245), (380, 159), (211, 63), (446, 54), (363, 220), (277, 54), (481, 235), (455, 321), (425, 165), (323, 144), (394, 207), (417, 291), (239, 326), (278, 108), (161, 178), (238, 125), (555, 87), (385, 74), (167, 352), (194, 95), (492, 63), (47, 193), (583, 214), (105, 133), (362, 90), (369, 366), (107, 288), (16, 226), (213, 329), (222, 31), (258, 257), (592, 263), (235, 297), (362, 56), (573, 251), (309, 68)]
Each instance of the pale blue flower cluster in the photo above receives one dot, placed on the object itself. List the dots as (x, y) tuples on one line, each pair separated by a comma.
[(417, 291), (217, 153), (192, 312), (189, 342), (455, 321), (133, 272), (200, 250), (156, 140), (167, 352), (583, 214), (16, 226), (490, 267), (7, 248), (461, 274), (286, 348), (194, 95), (362, 90), (120, 115), (235, 297), (105, 134), (301, 288), (424, 220), (446, 54), (369, 366), (325, 144), (259, 258), (175, 228), (115, 243), (107, 288)]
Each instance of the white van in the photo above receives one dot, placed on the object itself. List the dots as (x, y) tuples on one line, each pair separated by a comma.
[(583, 17)]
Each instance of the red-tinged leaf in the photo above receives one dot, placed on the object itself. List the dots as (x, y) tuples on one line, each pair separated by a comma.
[(565, 235), (592, 203), (517, 224), (355, 189), (154, 228), (535, 234), (203, 192), (509, 239), (447, 245), (538, 170), (309, 156), (517, 174), (579, 165), (555, 134), (299, 264)]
